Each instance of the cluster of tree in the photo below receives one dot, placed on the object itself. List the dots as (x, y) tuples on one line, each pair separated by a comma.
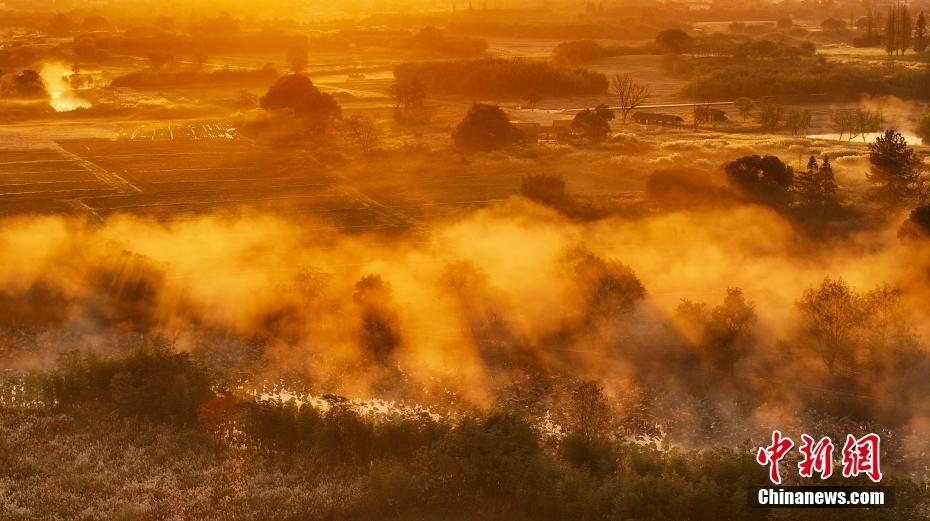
[(295, 92), (831, 81), (151, 382), (158, 79), (501, 77), (860, 121), (896, 174), (27, 84), (554, 31), (595, 124), (851, 332), (99, 46), (580, 51), (429, 39), (899, 30), (408, 93), (725, 333)]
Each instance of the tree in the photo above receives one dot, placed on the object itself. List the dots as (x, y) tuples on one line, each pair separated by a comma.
[(816, 186), (764, 178), (484, 127), (917, 225), (923, 124), (365, 131), (589, 413), (798, 120), (297, 60), (784, 23), (532, 99), (769, 116), (920, 33), (865, 121), (893, 168), (595, 123), (408, 93), (891, 30), (59, 25), (830, 315), (297, 92), (729, 332), (379, 331), (608, 287), (843, 121), (27, 84), (310, 283), (744, 106), (630, 93), (675, 40)]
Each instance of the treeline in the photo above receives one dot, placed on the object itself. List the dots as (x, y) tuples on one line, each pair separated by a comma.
[(429, 39), (561, 31), (502, 77), (834, 82), (156, 79), (580, 51), (178, 44)]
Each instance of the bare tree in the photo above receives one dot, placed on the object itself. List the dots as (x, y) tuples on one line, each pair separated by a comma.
[(922, 187), (700, 114), (865, 121), (590, 414), (770, 115), (297, 60), (842, 121), (798, 121), (744, 106), (631, 94), (365, 131), (310, 282)]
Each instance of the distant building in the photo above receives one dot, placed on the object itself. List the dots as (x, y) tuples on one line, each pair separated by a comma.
[(710, 115), (648, 118), (530, 133)]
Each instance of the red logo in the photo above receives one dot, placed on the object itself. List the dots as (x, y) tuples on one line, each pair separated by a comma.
[(862, 457), (774, 453)]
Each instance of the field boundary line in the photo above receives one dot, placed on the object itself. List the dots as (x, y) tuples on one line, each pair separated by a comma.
[(108, 178), (82, 208)]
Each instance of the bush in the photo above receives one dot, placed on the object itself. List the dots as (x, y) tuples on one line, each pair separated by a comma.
[(546, 189), (580, 51)]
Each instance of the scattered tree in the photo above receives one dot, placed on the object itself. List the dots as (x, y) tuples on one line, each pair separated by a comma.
[(365, 131), (798, 121), (744, 106), (595, 123), (831, 314), (589, 413), (297, 92), (816, 186), (408, 93), (484, 127), (843, 121), (310, 282), (917, 225), (923, 124), (729, 331), (865, 121), (630, 94), (532, 99), (297, 60), (379, 330), (920, 33), (893, 168), (769, 116), (765, 178), (675, 40)]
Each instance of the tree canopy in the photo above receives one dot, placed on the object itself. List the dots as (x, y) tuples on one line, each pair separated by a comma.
[(484, 127), (893, 168), (297, 92), (595, 123), (765, 178)]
